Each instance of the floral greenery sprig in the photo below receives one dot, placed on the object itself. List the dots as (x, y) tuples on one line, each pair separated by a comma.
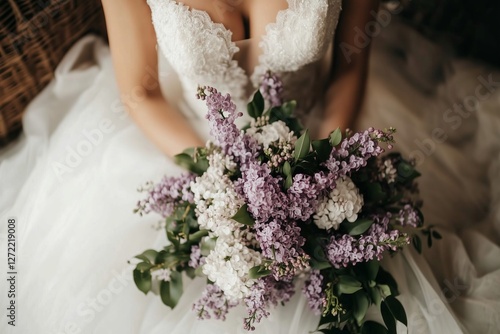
[(264, 205)]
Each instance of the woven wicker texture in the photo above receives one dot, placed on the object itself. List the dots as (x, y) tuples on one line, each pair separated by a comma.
[(34, 36)]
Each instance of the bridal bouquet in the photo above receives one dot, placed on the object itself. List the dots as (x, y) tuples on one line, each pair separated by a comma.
[(265, 210)]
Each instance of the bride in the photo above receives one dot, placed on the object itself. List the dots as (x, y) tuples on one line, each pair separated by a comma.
[(70, 182)]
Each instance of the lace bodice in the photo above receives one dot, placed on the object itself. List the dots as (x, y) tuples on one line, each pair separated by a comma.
[(202, 52)]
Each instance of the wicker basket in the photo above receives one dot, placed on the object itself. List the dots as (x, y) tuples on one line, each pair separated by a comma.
[(34, 36)]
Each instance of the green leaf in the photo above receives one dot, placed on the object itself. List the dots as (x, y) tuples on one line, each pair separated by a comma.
[(437, 235), (243, 216), (185, 229), (389, 320), (374, 192), (407, 171), (358, 227), (186, 161), (252, 110), (144, 266), (372, 327), (142, 280), (256, 107), (397, 309), (197, 236), (322, 149), (162, 255), (348, 285), (385, 290), (173, 239), (320, 265), (417, 243), (287, 169), (375, 296), (171, 291), (372, 268), (385, 278), (429, 240), (302, 146), (258, 101), (148, 256), (288, 182), (335, 137), (361, 304), (199, 272), (288, 108), (190, 272), (207, 246), (258, 272)]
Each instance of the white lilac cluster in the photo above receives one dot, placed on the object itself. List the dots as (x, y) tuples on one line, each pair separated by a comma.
[(387, 171), (217, 201), (275, 132), (228, 265), (162, 274), (215, 197), (344, 202)]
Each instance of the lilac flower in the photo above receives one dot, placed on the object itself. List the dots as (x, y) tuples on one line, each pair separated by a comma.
[(355, 151), (214, 300), (221, 116), (280, 242), (271, 88), (345, 250), (313, 290), (408, 216), (325, 182), (256, 305), (165, 195), (263, 192), (195, 258), (303, 197), (266, 292), (287, 271)]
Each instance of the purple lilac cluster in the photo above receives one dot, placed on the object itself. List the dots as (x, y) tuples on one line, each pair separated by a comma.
[(265, 292), (344, 249), (287, 271), (313, 290), (195, 258), (355, 151), (214, 300), (278, 241), (165, 195), (303, 197), (262, 192), (271, 88), (222, 116), (408, 216)]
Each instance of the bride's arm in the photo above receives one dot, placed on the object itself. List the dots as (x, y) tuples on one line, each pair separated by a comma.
[(350, 66), (132, 41)]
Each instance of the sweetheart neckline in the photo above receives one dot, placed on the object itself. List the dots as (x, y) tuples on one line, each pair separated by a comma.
[(234, 46)]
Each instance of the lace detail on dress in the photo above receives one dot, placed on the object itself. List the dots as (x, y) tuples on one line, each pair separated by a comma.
[(199, 49), (294, 46), (301, 34)]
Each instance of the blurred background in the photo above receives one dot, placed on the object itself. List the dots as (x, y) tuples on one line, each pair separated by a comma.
[(35, 35)]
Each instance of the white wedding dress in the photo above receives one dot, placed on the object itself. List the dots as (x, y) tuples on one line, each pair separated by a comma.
[(70, 181)]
